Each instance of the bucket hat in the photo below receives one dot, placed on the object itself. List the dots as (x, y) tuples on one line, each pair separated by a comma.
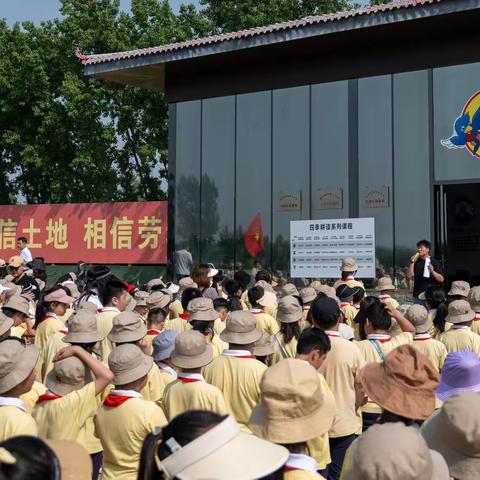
[(173, 288), (140, 298), (268, 299), (163, 345), (16, 363), (127, 327), (131, 304), (155, 282), (418, 316), (6, 323), (201, 308), (459, 311), (460, 373), (459, 287), (66, 376), (128, 363), (454, 433), (191, 350), (184, 283), (349, 265), (329, 292), (474, 298), (210, 455), (158, 300), (316, 284), (404, 383), (384, 283), (289, 310), (265, 285), (393, 451), (75, 462), (292, 407), (11, 288), (15, 261), (263, 346), (308, 294), (240, 328), (289, 289), (72, 288), (82, 328), (59, 296), (88, 307)]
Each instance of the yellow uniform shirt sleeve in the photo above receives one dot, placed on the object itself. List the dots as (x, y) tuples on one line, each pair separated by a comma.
[(15, 422)]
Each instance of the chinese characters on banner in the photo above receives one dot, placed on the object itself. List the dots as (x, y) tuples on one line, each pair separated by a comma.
[(123, 233)]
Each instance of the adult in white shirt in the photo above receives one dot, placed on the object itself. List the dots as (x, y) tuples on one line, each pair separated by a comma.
[(25, 253)]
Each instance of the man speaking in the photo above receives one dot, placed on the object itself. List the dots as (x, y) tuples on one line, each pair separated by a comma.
[(424, 270)]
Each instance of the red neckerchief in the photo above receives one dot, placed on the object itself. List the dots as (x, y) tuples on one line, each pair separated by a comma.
[(289, 469), (477, 316), (115, 400), (184, 316), (153, 332), (47, 316), (47, 396)]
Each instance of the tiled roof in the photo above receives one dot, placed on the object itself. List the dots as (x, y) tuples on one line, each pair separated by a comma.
[(252, 32)]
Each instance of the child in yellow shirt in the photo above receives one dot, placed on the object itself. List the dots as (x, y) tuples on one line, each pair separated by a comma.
[(223, 308), (156, 324), (125, 417), (265, 322), (17, 375), (289, 314), (18, 309), (385, 287), (141, 306), (163, 346), (307, 295), (190, 391)]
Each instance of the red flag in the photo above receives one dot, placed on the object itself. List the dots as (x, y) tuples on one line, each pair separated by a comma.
[(253, 237)]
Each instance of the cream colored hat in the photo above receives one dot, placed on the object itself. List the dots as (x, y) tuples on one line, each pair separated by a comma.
[(127, 327), (269, 299), (459, 311), (128, 363), (289, 289), (394, 451), (349, 265), (6, 323), (184, 283), (88, 307), (384, 283), (75, 462), (201, 308), (328, 291), (15, 261), (265, 285), (191, 350), (66, 376), (18, 303), (131, 304), (82, 328), (155, 282), (455, 433), (459, 287), (240, 328), (225, 452), (292, 408), (17, 362), (72, 288), (12, 288), (308, 294), (289, 310), (316, 284), (418, 317), (158, 300), (263, 346), (140, 298), (474, 298), (59, 296)]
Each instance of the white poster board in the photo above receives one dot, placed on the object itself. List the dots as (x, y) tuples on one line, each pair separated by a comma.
[(318, 246)]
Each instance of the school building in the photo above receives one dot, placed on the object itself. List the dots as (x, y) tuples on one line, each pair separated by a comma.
[(366, 113)]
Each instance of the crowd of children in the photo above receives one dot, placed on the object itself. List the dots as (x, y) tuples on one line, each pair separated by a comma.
[(237, 379)]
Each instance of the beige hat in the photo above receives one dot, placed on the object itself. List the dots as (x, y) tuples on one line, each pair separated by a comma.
[(418, 317), (316, 284), (269, 299), (240, 328), (384, 283), (15, 261), (82, 328), (18, 303), (393, 451), (128, 363), (474, 298), (88, 307), (127, 327), (184, 283), (349, 265), (155, 282), (265, 285), (289, 310), (201, 309), (459, 287), (454, 433), (12, 288), (140, 298), (191, 350), (292, 408), (263, 346), (289, 289), (72, 288), (66, 376), (59, 296), (459, 311), (308, 294), (225, 452), (158, 300), (17, 362), (75, 462), (6, 323), (131, 304), (328, 291)]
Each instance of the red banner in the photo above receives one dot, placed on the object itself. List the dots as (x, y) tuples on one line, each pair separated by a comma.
[(134, 232)]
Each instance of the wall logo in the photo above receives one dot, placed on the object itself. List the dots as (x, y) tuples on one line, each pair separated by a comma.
[(466, 129)]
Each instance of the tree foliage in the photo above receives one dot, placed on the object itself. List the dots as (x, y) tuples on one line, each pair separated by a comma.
[(68, 138)]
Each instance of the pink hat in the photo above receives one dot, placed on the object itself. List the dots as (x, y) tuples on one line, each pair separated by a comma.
[(59, 296)]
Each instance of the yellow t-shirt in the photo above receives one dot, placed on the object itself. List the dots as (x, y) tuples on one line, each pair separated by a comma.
[(155, 386), (175, 309), (218, 345), (351, 282), (53, 346), (461, 338), (92, 442), (239, 381), (151, 334), (178, 324), (104, 325), (180, 397), (340, 369), (301, 475), (350, 313), (283, 350), (434, 350), (30, 398), (122, 431), (370, 355), (219, 326), (15, 421), (475, 324), (18, 331), (65, 418), (434, 331), (45, 330), (265, 322)]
